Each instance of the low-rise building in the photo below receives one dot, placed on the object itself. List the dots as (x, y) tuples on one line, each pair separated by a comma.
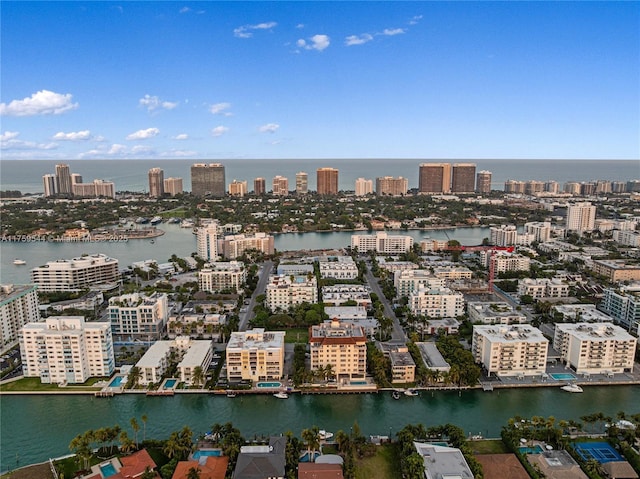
[(504, 261), (255, 355), (395, 265), (432, 357), (18, 306), (403, 367), (76, 273), (284, 292), (222, 276), (595, 348), (582, 313), (627, 238), (623, 305), (197, 354), (195, 325), (543, 288), (443, 462), (338, 267), (493, 312), (436, 302), (381, 242), (616, 271), (138, 316), (234, 246), (438, 326), (342, 293), (343, 346), (452, 273), (66, 350), (407, 281), (515, 350)]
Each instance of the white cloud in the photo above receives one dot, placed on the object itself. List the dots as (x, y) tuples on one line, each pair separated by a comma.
[(185, 10), (317, 42), (358, 39), (181, 136), (117, 149), (219, 131), (73, 135), (245, 31), (178, 153), (9, 141), (152, 103), (138, 149), (415, 20), (269, 128), (221, 109), (393, 31), (143, 134), (300, 26), (44, 102)]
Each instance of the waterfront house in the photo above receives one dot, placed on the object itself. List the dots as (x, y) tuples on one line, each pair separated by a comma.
[(442, 461), (209, 467), (262, 462)]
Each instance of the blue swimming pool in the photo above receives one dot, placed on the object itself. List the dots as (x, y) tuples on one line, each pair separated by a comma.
[(307, 456), (358, 383), (170, 383), (563, 376), (206, 453), (108, 470), (116, 382), (269, 385), (537, 449)]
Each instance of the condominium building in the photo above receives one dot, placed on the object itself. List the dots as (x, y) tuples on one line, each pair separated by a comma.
[(452, 273), (222, 276), (138, 316), (463, 177), (280, 186), (493, 312), (207, 241), (238, 188), (627, 238), (259, 186), (49, 185), (363, 187), (173, 186), (234, 246), (156, 182), (551, 186), (382, 242), (572, 187), (327, 181), (18, 306), (505, 261), (255, 355), (390, 186), (338, 267), (403, 367), (75, 179), (581, 217), (616, 271), (514, 186), (208, 179), (483, 182), (434, 178), (503, 235), (516, 350), (63, 179), (99, 188), (623, 305), (533, 187), (428, 245), (408, 280), (302, 183), (540, 230), (191, 354), (595, 348), (436, 302), (76, 273), (543, 288), (343, 346), (339, 294), (283, 291), (66, 350)]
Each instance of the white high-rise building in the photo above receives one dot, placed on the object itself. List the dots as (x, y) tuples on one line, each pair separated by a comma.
[(75, 274), (207, 241), (66, 349), (504, 261), (222, 276), (408, 280), (18, 306), (283, 291), (302, 183), (540, 230), (623, 305), (363, 187), (581, 217), (138, 316), (280, 185), (173, 186), (49, 184), (436, 302), (504, 235)]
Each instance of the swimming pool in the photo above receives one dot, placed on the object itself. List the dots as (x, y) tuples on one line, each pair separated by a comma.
[(170, 383), (269, 385), (537, 449), (206, 453), (108, 470), (358, 383), (117, 382), (307, 456), (563, 376)]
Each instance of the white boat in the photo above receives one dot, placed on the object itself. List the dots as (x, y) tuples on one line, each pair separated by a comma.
[(187, 224), (281, 395), (395, 394), (19, 261), (572, 388), (410, 392), (324, 435), (155, 220), (231, 394)]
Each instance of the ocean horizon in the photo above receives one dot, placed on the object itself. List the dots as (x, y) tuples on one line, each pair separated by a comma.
[(131, 175)]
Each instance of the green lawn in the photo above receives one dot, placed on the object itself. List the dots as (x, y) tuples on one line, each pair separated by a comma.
[(34, 384), (299, 335), (487, 446), (384, 465)]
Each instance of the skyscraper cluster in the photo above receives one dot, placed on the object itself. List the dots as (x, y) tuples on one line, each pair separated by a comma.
[(65, 183), (159, 185), (443, 178)]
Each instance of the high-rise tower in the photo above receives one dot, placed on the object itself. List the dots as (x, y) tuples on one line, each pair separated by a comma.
[(280, 186), (434, 178), (208, 179), (463, 178), (156, 182), (327, 181), (483, 182), (63, 179), (302, 183), (259, 186)]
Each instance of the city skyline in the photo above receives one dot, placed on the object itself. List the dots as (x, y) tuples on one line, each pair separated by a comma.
[(224, 80)]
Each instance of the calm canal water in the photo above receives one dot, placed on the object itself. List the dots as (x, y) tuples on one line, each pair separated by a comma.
[(35, 428)]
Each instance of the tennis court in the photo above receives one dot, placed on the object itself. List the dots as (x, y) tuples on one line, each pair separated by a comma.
[(600, 451)]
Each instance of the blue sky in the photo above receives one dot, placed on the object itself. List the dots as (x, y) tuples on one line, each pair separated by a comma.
[(223, 80)]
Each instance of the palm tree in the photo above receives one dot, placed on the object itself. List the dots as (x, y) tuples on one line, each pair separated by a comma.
[(193, 473), (343, 441), (310, 437), (197, 377), (136, 427), (126, 444), (144, 418)]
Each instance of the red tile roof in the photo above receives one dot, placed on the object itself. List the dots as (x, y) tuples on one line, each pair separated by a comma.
[(310, 470), (135, 464), (214, 468)]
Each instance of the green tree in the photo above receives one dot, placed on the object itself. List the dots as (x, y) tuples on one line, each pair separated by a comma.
[(198, 376), (136, 427)]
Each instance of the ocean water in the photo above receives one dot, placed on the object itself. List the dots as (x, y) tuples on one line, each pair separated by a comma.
[(131, 175)]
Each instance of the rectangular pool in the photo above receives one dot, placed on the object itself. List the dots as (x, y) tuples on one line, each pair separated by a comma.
[(170, 383), (563, 376), (117, 382), (269, 385), (537, 449), (108, 470), (206, 453)]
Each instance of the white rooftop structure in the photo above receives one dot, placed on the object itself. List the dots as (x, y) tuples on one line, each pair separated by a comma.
[(441, 462)]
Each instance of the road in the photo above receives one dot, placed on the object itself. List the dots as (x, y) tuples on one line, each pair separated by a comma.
[(397, 333), (263, 279)]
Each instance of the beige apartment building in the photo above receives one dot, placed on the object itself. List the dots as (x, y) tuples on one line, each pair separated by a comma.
[(343, 346), (75, 274), (515, 350), (285, 291), (255, 355)]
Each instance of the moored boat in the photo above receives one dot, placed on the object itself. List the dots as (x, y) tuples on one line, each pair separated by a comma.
[(19, 262), (281, 395), (572, 388)]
